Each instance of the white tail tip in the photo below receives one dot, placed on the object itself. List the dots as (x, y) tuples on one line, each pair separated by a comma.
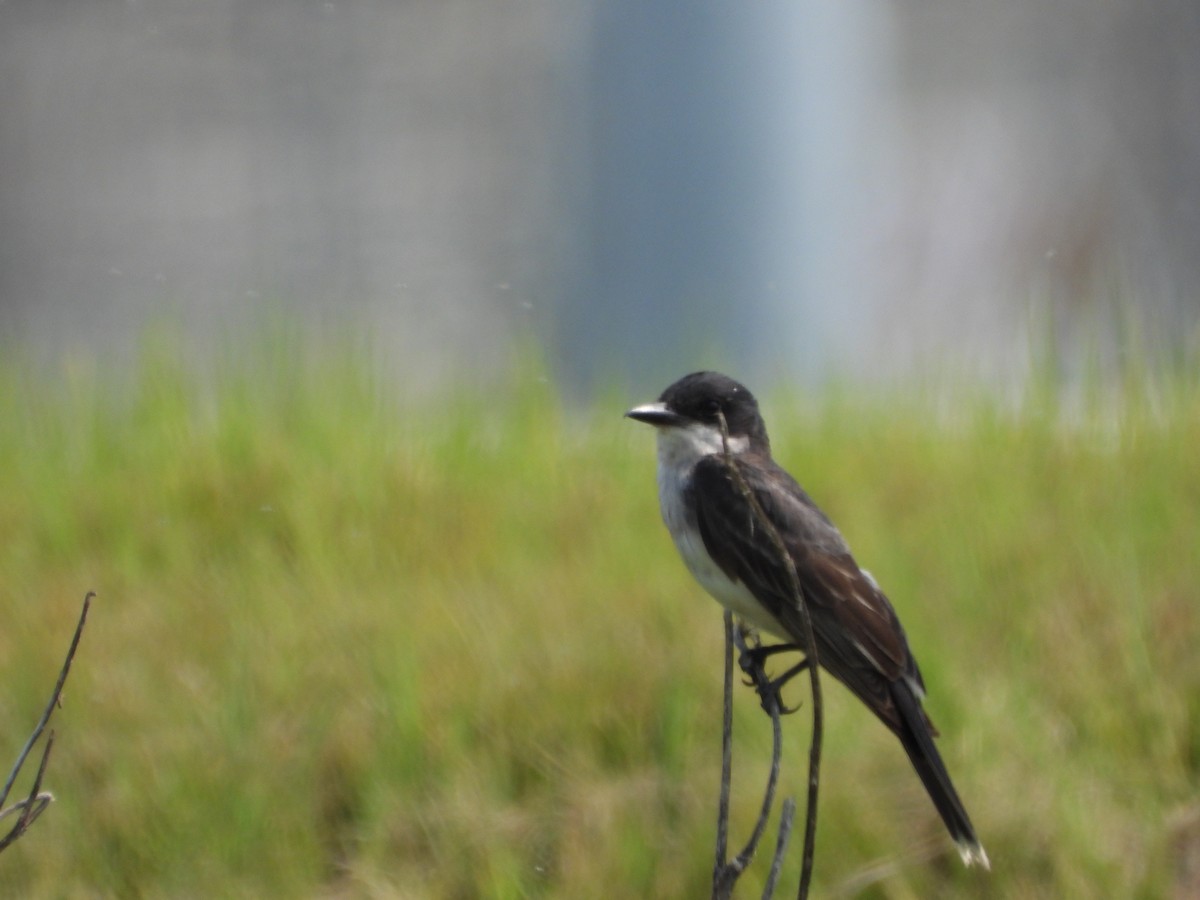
[(974, 855)]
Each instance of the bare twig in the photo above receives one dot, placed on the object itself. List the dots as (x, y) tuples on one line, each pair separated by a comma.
[(38, 800), (773, 709), (726, 763), (34, 805), (786, 817), (726, 874), (810, 653)]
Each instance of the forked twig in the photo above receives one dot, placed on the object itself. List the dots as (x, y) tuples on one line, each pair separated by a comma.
[(37, 801), (775, 712), (33, 805), (726, 874), (810, 654)]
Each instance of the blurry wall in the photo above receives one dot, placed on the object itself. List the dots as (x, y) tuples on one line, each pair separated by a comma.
[(1043, 184), (363, 164), (731, 150), (786, 188)]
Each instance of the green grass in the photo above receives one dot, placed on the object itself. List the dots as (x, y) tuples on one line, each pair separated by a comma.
[(349, 644)]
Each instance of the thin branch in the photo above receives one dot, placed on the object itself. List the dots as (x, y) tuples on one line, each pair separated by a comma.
[(786, 817), (37, 801), (34, 805), (773, 709), (810, 653), (726, 874), (726, 763)]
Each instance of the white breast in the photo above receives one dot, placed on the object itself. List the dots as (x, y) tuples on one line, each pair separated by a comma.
[(679, 449)]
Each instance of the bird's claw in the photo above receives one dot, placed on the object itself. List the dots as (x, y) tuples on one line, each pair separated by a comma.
[(752, 657), (770, 690)]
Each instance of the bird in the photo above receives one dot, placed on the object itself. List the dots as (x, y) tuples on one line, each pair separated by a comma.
[(858, 637)]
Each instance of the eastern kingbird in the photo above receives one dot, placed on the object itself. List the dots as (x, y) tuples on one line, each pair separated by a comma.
[(859, 639)]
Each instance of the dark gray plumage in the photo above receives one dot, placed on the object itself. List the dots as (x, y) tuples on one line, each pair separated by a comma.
[(859, 638)]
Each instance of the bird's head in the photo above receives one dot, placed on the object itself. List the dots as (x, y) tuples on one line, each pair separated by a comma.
[(695, 404)]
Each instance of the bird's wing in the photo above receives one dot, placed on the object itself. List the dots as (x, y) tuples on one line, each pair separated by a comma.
[(859, 638)]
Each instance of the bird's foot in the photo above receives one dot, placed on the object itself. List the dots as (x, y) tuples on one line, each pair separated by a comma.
[(752, 657)]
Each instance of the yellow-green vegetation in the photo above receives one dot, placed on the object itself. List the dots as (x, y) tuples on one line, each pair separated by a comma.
[(348, 644)]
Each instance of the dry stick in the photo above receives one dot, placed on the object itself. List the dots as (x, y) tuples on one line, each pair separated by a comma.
[(743, 859), (32, 807), (785, 831), (810, 653), (727, 874), (726, 764)]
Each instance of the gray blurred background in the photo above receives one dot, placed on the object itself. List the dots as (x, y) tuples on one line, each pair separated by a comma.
[(835, 188)]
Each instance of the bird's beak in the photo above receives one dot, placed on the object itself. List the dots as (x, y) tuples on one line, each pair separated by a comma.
[(656, 414)]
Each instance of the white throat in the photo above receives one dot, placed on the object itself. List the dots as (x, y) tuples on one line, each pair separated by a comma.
[(681, 448)]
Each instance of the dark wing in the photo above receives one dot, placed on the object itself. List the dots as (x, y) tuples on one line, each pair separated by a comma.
[(859, 638)]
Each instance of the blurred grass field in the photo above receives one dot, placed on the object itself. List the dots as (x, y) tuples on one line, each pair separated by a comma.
[(350, 644)]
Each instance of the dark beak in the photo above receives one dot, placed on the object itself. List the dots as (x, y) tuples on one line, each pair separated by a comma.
[(656, 414)]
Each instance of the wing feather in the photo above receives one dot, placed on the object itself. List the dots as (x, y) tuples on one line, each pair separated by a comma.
[(859, 638)]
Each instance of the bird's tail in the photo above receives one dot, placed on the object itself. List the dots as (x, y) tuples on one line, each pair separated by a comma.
[(917, 738)]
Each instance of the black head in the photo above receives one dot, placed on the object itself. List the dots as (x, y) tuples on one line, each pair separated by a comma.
[(699, 398)]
